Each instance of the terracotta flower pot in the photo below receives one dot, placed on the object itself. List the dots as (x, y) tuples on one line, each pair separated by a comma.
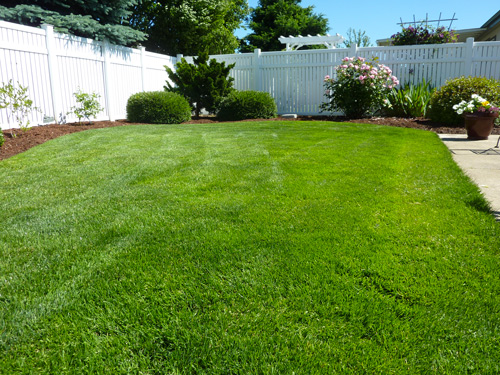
[(479, 124)]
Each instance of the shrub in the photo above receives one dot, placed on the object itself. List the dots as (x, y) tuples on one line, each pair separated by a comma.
[(87, 105), (423, 34), (457, 90), (409, 100), (158, 107), (240, 105), (203, 83), (18, 104), (2, 139), (360, 87)]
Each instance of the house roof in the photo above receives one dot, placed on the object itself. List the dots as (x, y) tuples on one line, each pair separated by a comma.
[(465, 33), (492, 21)]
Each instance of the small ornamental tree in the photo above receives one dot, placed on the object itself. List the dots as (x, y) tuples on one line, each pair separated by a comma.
[(204, 84), (18, 104), (87, 105), (423, 34), (360, 88)]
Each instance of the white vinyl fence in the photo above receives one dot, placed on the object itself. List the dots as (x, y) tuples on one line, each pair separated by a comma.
[(295, 78), (54, 66)]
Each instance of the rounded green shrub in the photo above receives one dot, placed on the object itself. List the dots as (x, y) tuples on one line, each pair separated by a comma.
[(241, 105), (456, 90), (158, 107), (2, 139)]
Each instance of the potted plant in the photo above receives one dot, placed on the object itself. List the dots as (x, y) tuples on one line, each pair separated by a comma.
[(479, 115)]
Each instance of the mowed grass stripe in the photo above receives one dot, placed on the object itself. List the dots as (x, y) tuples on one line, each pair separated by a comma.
[(261, 247)]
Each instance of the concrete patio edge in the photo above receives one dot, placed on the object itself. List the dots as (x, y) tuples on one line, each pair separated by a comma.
[(480, 160)]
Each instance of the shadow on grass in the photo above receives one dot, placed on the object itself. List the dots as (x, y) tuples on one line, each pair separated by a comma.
[(480, 204)]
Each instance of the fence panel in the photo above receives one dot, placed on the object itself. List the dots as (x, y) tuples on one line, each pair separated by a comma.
[(28, 55), (486, 61), (295, 78), (80, 66), (23, 58)]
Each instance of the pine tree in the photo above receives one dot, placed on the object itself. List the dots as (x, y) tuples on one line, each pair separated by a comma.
[(95, 19)]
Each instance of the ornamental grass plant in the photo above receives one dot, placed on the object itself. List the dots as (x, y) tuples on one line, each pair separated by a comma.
[(409, 100)]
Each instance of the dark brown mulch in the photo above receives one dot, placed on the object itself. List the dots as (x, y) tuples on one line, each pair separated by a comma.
[(40, 134)]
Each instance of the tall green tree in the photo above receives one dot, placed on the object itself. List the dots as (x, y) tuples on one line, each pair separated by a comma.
[(96, 19), (190, 27), (358, 37), (274, 18)]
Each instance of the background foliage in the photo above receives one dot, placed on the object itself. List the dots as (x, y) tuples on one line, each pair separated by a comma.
[(189, 27), (358, 37), (272, 19)]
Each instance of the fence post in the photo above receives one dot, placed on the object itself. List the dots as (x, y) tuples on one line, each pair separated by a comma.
[(53, 73), (256, 69), (469, 52), (107, 80), (353, 50), (143, 68)]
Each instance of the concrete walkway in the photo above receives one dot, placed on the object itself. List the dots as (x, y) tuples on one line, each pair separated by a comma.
[(480, 160)]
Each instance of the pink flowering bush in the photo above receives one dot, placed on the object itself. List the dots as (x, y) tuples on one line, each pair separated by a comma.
[(360, 88)]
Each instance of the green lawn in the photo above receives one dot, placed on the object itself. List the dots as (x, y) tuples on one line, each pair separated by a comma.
[(246, 248)]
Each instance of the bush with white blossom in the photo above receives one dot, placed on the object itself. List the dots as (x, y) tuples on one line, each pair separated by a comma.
[(359, 89)]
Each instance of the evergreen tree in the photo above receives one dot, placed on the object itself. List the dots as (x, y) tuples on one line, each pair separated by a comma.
[(95, 19), (274, 18), (203, 83), (189, 26)]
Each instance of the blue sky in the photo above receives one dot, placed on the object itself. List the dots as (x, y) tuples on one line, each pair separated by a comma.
[(379, 18)]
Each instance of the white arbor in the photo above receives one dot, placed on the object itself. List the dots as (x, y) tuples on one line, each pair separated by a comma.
[(295, 42)]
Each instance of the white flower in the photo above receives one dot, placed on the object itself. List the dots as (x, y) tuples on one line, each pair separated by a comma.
[(460, 111)]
